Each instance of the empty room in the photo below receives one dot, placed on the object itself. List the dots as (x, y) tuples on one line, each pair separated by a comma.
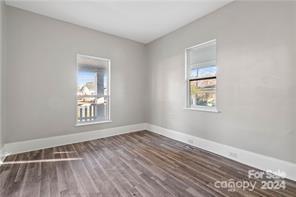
[(150, 98)]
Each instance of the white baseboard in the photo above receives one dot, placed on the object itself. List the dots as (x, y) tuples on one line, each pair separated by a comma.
[(2, 156), (36, 144), (258, 161)]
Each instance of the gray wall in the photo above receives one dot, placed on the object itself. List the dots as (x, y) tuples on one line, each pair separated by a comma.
[(293, 88), (40, 86), (256, 79), (1, 63)]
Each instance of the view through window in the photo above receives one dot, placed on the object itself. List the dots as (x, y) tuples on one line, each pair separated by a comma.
[(201, 76), (93, 98)]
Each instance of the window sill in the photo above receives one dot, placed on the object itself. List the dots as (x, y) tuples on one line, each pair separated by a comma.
[(203, 109), (92, 123)]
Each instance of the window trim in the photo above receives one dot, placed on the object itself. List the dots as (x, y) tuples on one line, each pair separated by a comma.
[(77, 124), (188, 79)]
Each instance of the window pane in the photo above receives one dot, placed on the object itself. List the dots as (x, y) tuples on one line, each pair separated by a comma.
[(200, 72), (92, 90), (203, 92)]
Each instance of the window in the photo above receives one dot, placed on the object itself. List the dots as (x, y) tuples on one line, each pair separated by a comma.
[(201, 76), (93, 90)]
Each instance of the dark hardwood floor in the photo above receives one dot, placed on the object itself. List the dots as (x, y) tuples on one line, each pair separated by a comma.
[(135, 164)]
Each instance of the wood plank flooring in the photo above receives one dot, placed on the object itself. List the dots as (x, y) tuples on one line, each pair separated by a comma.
[(135, 164)]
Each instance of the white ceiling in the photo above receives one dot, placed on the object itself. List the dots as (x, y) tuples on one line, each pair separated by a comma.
[(142, 21)]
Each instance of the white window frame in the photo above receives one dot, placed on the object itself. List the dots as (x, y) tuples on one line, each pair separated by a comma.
[(187, 91), (78, 124)]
